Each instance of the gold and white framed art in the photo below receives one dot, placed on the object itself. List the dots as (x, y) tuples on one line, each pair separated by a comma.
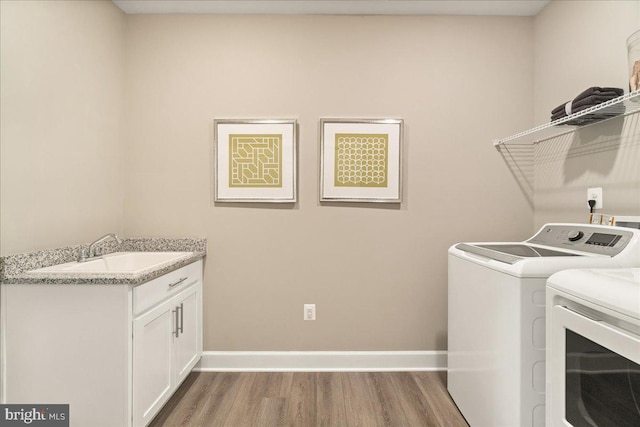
[(361, 160), (255, 160)]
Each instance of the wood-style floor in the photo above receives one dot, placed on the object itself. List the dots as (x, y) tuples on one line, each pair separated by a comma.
[(301, 399)]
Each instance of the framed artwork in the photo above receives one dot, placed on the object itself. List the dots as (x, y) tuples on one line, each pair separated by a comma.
[(361, 160), (255, 160)]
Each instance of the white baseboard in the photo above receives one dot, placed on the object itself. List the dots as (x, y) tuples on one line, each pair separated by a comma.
[(318, 361)]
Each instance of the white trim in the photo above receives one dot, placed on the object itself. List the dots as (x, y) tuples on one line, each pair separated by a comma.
[(318, 361)]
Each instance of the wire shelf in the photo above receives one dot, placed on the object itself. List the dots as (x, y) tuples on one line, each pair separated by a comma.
[(618, 107)]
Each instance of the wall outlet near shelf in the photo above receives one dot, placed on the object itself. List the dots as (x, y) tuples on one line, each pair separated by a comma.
[(309, 312), (595, 194)]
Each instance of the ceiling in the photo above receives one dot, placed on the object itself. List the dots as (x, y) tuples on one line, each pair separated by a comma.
[(337, 7)]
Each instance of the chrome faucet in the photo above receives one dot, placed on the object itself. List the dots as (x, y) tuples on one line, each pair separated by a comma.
[(93, 251)]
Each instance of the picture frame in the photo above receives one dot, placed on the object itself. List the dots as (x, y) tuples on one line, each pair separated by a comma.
[(255, 160), (361, 160)]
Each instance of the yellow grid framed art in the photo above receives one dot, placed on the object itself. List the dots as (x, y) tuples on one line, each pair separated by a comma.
[(255, 160), (361, 160)]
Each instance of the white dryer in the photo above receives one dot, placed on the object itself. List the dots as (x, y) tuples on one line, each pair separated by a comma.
[(496, 331), (593, 348)]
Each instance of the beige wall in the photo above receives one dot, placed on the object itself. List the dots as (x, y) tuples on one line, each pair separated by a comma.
[(377, 274), (60, 122), (84, 119), (578, 45)]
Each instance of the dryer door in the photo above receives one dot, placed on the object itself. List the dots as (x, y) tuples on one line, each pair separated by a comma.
[(595, 372)]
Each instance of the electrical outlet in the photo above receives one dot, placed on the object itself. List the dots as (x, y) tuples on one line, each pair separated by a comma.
[(595, 194), (309, 312)]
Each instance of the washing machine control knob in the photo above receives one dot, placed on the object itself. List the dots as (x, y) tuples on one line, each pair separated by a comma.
[(575, 235)]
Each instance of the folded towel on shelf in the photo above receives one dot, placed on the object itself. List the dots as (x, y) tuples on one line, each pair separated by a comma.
[(574, 109), (588, 98), (599, 91)]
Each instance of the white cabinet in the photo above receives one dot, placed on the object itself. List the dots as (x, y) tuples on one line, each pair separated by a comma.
[(187, 347), (114, 353), (166, 346), (152, 362)]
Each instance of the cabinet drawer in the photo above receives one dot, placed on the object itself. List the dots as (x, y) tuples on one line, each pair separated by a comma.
[(151, 293)]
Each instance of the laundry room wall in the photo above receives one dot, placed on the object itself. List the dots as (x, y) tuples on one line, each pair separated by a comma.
[(95, 104), (61, 118), (578, 45), (377, 273)]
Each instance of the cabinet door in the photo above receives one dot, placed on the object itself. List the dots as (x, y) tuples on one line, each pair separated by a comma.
[(153, 335), (188, 345)]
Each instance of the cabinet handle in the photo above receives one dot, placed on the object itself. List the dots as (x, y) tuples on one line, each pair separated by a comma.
[(177, 330), (182, 279), (181, 308)]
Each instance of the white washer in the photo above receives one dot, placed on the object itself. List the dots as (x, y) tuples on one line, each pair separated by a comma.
[(496, 339), (593, 349)]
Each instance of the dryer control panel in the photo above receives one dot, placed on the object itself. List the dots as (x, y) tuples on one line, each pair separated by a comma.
[(586, 238)]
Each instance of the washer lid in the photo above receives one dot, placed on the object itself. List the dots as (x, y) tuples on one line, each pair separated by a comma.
[(510, 253), (526, 251), (617, 289)]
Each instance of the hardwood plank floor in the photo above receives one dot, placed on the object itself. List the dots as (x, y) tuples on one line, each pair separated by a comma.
[(305, 399)]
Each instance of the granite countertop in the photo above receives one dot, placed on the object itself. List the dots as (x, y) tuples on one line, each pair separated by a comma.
[(17, 269)]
